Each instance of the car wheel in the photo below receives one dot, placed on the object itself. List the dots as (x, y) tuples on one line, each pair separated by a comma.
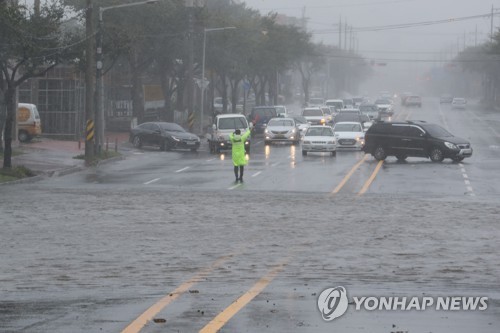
[(379, 153), (333, 153), (436, 155), (137, 142), (401, 158), (457, 159), (304, 153), (23, 136)]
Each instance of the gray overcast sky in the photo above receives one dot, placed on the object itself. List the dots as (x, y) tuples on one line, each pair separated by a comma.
[(424, 42)]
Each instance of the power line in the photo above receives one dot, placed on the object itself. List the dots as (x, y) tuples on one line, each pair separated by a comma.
[(405, 25)]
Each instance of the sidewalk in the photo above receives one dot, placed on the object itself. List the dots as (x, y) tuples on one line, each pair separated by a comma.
[(47, 156)]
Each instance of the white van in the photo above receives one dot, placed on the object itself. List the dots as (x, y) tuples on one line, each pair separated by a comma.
[(28, 122), (225, 124)]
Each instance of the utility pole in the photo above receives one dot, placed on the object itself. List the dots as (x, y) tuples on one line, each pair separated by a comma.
[(491, 28), (345, 36), (190, 70), (340, 32), (89, 84)]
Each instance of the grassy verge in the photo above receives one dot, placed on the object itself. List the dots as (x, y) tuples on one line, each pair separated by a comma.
[(15, 173)]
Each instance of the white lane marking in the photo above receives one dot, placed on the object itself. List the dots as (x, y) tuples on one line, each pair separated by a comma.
[(235, 186), (275, 164), (152, 181), (468, 186), (259, 142), (183, 169), (256, 174), (210, 160)]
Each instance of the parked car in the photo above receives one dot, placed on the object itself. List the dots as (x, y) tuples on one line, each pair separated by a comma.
[(315, 115), (349, 135), (28, 122), (260, 115), (167, 136), (414, 100), (282, 129), (458, 103), (414, 138), (446, 99), (319, 139), (223, 125)]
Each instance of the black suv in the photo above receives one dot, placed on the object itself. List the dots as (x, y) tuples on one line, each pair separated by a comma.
[(414, 138), (260, 116)]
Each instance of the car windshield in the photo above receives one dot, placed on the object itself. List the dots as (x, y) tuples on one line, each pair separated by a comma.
[(437, 131), (171, 127), (232, 123), (312, 112), (347, 128), (280, 122), (382, 101), (319, 131)]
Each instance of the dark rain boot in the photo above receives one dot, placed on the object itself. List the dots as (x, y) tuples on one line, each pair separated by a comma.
[(241, 173), (236, 173)]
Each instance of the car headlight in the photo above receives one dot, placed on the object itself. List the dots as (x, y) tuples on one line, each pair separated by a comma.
[(266, 131), (450, 145), (175, 138)]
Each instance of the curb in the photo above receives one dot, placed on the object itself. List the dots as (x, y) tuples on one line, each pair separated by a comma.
[(60, 173)]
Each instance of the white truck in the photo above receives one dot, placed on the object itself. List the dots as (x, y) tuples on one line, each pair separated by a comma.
[(225, 124)]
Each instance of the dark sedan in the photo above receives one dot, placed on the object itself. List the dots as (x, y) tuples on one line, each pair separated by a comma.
[(167, 136)]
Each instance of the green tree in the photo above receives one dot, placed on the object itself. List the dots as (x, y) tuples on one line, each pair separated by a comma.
[(30, 45)]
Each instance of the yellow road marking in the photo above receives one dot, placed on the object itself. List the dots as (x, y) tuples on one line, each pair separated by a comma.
[(222, 318), (346, 178), (148, 315), (371, 179)]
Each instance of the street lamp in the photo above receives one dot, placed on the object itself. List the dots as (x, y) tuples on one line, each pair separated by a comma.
[(99, 65), (203, 69)]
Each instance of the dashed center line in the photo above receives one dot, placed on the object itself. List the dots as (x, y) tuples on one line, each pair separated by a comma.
[(468, 187), (256, 174), (152, 181), (183, 169)]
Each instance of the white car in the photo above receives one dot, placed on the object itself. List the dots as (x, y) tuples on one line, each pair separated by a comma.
[(337, 103), (349, 135), (319, 139), (458, 103), (314, 115), (281, 129), (302, 124), (385, 106)]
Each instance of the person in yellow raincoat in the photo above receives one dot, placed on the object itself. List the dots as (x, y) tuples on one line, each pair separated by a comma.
[(238, 152)]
